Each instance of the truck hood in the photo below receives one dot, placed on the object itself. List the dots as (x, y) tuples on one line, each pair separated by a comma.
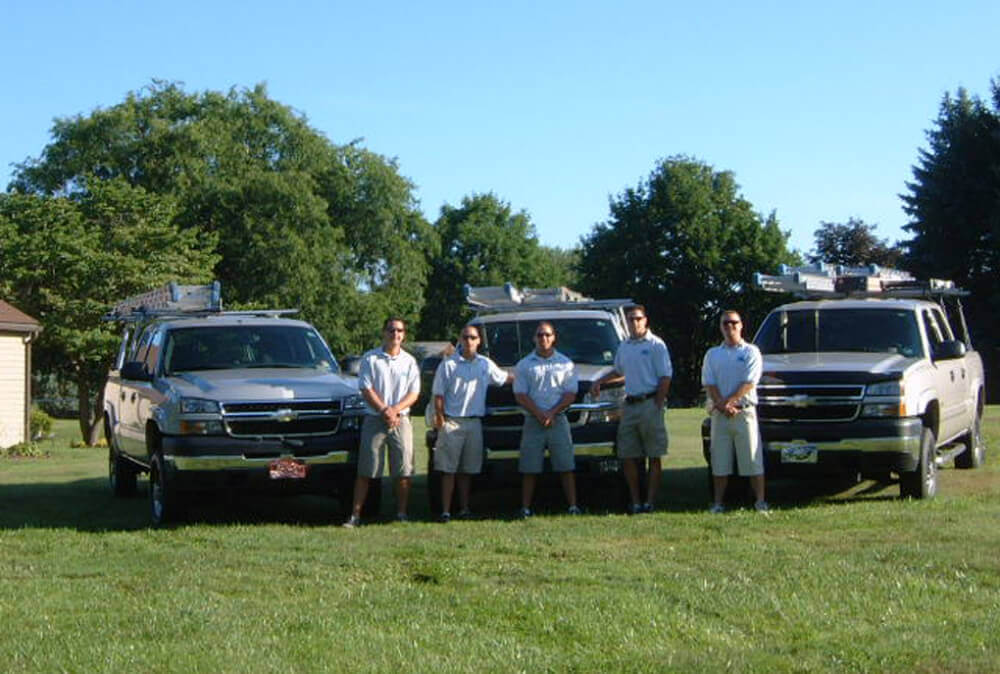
[(263, 384), (873, 363)]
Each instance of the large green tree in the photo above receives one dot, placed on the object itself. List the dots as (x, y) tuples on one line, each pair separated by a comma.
[(65, 260), (483, 242), (299, 221), (686, 244), (853, 244), (953, 204)]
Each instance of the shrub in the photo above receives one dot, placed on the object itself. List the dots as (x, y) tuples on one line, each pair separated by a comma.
[(22, 450), (40, 423)]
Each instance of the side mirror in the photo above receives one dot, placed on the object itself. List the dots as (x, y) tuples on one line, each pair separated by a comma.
[(949, 350), (136, 371)]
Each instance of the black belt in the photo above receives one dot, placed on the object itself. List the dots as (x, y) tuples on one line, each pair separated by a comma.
[(631, 400)]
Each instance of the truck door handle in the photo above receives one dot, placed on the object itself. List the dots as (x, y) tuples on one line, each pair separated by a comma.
[(123, 395), (952, 376)]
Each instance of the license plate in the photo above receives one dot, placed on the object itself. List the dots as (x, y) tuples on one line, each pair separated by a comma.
[(287, 469), (799, 454)]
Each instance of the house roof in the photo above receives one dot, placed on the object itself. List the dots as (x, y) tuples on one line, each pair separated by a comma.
[(13, 320)]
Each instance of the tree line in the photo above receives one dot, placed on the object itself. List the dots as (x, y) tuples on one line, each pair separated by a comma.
[(235, 186)]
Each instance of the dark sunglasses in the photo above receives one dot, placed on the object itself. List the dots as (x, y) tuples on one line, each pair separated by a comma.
[(545, 334), (470, 336), (730, 322)]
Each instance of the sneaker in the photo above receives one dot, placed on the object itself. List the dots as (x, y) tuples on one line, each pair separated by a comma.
[(647, 507), (574, 510), (402, 517), (717, 509), (465, 514), (634, 508), (525, 513), (762, 507), (445, 518), (352, 522)]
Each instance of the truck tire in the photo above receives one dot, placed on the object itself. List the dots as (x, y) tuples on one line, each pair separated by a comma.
[(121, 476), (165, 503), (372, 507), (922, 482), (974, 455)]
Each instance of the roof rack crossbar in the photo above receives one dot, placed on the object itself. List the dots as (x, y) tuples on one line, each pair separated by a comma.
[(821, 281), (508, 298)]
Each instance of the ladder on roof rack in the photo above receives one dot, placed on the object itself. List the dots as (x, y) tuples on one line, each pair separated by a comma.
[(508, 298), (823, 281), (174, 299)]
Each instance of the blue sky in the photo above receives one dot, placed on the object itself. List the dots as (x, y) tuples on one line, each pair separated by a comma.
[(819, 109)]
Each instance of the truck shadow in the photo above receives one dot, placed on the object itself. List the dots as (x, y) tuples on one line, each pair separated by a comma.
[(87, 505)]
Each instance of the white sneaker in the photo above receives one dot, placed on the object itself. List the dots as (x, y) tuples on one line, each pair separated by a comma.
[(717, 509), (353, 522), (762, 507)]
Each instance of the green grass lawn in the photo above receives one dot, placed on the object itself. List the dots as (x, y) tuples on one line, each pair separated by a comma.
[(846, 579)]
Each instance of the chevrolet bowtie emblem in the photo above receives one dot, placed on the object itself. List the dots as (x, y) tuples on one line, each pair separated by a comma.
[(799, 401), (285, 415)]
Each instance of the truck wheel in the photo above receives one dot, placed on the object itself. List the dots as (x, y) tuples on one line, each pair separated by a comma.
[(121, 476), (922, 482), (165, 504), (372, 507), (434, 491), (975, 450)]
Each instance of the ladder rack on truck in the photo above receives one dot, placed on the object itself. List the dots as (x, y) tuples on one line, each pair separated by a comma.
[(174, 299), (823, 281), (508, 298)]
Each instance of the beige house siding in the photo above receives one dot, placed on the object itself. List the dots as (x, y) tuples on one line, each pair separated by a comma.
[(12, 392)]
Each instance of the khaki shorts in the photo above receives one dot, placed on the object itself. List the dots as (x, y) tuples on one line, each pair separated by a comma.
[(642, 431), (736, 435), (375, 435), (534, 440), (459, 446)]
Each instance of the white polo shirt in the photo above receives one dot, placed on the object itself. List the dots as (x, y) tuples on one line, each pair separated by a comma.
[(729, 367), (391, 377), (462, 383), (643, 361), (545, 380)]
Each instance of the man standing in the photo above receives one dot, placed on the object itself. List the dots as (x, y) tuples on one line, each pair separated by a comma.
[(545, 384), (389, 381), (459, 405), (730, 373), (643, 361)]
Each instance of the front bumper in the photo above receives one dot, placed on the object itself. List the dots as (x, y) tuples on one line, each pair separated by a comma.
[(865, 446)]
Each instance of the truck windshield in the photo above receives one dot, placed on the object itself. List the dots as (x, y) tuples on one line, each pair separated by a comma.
[(585, 341), (245, 346), (828, 330)]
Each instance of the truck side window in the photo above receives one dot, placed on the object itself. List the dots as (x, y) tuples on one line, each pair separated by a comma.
[(932, 330)]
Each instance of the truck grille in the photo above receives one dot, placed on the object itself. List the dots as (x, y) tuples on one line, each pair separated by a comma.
[(809, 402), (283, 418)]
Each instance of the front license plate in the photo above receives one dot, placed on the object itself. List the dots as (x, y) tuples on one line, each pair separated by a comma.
[(799, 454), (287, 469)]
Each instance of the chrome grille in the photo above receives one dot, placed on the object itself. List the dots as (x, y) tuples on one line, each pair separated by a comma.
[(809, 402), (282, 418)]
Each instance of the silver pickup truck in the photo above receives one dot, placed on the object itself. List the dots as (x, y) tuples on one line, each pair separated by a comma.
[(873, 374), (205, 400)]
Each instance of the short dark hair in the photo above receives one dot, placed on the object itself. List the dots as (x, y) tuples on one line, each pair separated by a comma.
[(393, 319), (475, 326), (636, 307)]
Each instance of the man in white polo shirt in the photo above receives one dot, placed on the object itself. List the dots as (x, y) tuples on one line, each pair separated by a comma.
[(730, 373), (643, 361), (459, 390), (389, 381), (545, 384)]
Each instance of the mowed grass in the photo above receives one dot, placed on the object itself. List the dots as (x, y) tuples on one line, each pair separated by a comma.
[(836, 579)]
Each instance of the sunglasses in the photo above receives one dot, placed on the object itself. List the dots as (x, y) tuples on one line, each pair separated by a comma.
[(637, 318), (395, 329), (545, 334), (730, 322), (470, 336)]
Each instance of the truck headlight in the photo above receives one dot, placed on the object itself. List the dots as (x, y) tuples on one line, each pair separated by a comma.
[(354, 402), (611, 400), (893, 409), (199, 406), (885, 388)]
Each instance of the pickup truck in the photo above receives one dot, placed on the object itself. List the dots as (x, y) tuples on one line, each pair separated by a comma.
[(874, 376), (589, 334), (205, 400)]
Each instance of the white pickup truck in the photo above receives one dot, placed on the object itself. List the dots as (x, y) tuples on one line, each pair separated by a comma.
[(874, 374), (206, 400)]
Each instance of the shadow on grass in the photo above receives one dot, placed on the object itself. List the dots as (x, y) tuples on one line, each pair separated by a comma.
[(87, 505)]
